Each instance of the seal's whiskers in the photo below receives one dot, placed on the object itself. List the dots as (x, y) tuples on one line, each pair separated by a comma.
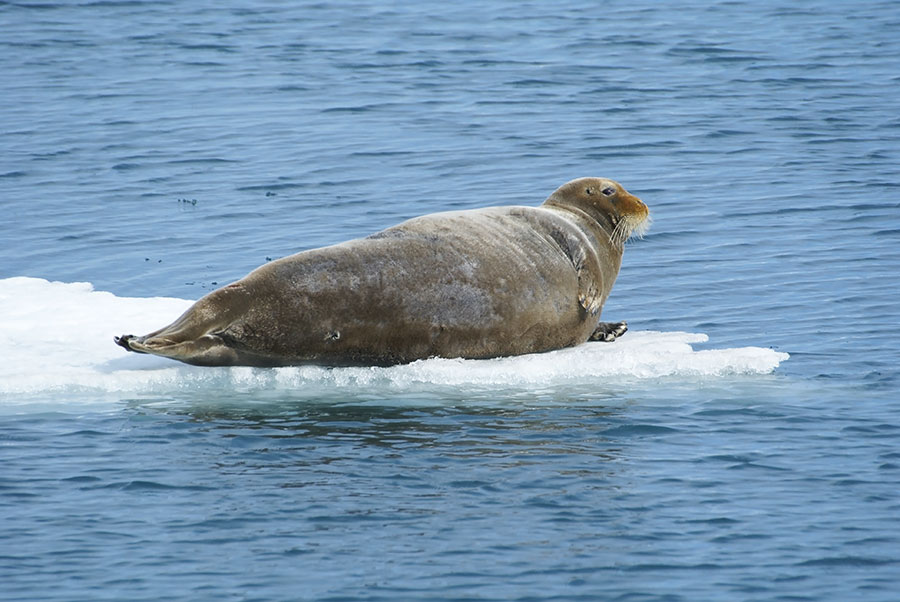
[(639, 226), (620, 233)]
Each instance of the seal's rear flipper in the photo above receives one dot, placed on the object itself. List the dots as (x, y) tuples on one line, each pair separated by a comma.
[(609, 331), (204, 350), (123, 340)]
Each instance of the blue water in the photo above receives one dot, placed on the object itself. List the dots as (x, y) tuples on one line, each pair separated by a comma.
[(164, 149)]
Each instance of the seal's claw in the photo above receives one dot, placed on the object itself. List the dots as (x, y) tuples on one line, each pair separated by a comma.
[(609, 331)]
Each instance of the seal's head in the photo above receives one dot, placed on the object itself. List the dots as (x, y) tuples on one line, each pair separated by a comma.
[(619, 212)]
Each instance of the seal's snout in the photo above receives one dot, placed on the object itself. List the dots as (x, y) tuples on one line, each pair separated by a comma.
[(633, 206), (635, 212)]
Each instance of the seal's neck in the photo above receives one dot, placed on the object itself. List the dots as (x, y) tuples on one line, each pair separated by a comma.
[(601, 222)]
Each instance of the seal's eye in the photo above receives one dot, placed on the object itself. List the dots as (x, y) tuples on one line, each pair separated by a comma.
[(589, 191), (608, 191)]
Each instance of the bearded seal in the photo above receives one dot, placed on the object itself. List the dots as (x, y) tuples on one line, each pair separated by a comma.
[(481, 283)]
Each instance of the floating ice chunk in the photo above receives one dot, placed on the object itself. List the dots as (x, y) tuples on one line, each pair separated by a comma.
[(56, 341)]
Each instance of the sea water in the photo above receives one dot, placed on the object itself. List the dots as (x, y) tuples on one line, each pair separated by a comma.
[(740, 442)]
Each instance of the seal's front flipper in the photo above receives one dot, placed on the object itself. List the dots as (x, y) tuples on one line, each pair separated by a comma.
[(589, 295), (609, 331)]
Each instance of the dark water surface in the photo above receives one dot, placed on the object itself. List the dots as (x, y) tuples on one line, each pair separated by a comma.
[(164, 149)]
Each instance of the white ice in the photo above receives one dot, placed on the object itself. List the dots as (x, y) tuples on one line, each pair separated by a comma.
[(56, 342)]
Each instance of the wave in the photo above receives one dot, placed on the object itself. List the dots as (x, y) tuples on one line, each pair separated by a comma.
[(56, 342)]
